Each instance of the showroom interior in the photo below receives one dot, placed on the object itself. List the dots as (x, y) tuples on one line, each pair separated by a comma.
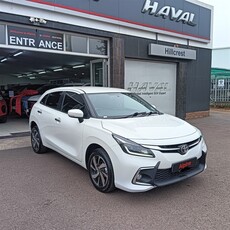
[(72, 60)]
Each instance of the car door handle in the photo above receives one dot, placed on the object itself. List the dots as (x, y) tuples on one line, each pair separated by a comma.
[(58, 119), (39, 111)]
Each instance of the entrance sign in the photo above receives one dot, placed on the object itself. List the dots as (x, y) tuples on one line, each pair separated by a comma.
[(50, 40), (173, 52), (33, 38), (19, 36)]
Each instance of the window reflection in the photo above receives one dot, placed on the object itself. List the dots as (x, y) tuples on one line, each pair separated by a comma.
[(76, 44), (79, 44), (97, 46)]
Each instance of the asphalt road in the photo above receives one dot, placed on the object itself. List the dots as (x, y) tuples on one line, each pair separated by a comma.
[(50, 192)]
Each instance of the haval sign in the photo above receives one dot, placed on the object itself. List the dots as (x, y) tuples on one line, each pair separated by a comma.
[(189, 19), (172, 13)]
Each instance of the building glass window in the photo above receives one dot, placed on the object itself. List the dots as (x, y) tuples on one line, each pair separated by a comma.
[(2, 34), (86, 45), (98, 46), (76, 44)]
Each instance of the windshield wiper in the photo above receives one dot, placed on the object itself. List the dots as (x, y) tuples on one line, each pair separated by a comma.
[(136, 114), (152, 112), (142, 114)]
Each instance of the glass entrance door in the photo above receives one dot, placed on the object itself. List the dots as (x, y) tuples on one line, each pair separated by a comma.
[(99, 72)]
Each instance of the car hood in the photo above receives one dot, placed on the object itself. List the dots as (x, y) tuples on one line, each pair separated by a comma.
[(157, 127)]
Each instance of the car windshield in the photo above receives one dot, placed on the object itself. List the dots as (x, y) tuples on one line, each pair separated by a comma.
[(120, 105)]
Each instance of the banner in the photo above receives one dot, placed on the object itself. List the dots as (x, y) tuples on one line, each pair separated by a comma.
[(33, 38)]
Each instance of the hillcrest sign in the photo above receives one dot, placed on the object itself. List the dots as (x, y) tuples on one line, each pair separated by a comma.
[(169, 12)]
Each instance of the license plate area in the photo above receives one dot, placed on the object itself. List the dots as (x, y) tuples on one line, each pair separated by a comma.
[(184, 165)]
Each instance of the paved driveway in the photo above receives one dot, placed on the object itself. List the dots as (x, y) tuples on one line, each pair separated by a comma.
[(50, 192)]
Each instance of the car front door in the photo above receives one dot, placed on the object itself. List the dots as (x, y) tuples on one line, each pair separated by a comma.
[(69, 131)]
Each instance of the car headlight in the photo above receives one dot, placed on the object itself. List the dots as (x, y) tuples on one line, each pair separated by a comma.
[(133, 148)]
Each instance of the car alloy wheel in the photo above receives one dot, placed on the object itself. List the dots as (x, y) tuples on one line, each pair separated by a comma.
[(101, 171), (36, 141)]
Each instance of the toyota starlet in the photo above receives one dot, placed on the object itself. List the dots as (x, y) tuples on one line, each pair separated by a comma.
[(123, 141)]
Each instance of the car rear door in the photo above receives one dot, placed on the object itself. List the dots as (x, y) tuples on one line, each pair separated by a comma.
[(46, 113)]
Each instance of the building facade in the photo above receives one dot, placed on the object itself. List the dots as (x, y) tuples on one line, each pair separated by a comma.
[(160, 50)]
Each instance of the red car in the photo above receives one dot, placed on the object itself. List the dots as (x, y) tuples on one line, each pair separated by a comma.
[(15, 104), (3, 109)]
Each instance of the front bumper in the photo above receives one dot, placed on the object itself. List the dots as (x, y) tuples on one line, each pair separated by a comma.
[(161, 177)]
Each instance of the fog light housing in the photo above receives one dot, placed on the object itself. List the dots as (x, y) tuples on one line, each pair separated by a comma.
[(145, 176), (138, 177)]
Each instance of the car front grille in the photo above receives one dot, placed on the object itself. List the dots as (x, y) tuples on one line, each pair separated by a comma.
[(177, 148), (162, 177), (166, 176)]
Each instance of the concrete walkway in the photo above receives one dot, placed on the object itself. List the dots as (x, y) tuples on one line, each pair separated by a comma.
[(14, 142), (15, 126), (14, 133)]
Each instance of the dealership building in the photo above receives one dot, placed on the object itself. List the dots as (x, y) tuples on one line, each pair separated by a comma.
[(160, 50)]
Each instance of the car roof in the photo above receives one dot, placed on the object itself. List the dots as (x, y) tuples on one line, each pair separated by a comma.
[(89, 89)]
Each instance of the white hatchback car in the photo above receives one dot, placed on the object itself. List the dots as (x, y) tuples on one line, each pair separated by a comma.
[(123, 141)]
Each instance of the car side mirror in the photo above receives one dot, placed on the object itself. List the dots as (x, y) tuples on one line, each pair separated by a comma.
[(76, 113)]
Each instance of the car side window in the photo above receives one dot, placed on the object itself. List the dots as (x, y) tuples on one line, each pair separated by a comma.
[(72, 101), (52, 100), (43, 101)]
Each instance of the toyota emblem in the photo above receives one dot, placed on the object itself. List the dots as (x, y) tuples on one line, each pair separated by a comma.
[(184, 149)]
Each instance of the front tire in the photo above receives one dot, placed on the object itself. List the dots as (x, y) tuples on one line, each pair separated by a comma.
[(36, 141), (101, 171)]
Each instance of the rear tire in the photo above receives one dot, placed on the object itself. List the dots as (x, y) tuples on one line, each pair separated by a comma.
[(101, 171), (36, 141)]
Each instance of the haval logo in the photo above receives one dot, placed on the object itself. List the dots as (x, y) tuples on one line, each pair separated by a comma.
[(172, 13)]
